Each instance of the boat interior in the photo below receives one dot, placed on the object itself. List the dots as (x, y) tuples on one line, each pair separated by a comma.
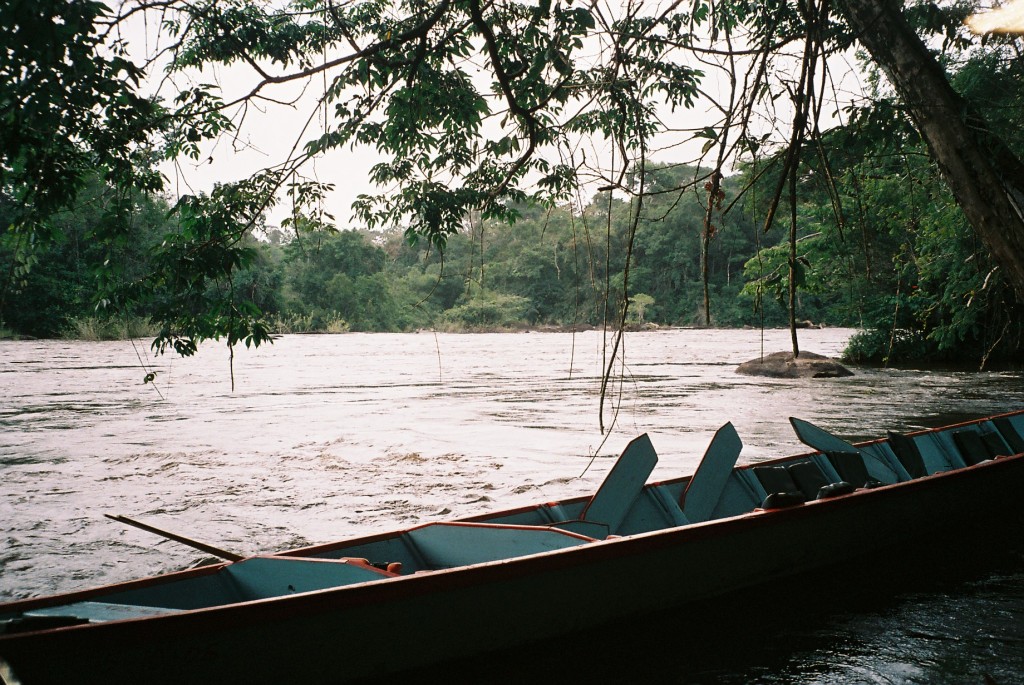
[(623, 505), (719, 489)]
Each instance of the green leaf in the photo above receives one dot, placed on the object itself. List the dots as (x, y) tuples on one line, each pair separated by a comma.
[(584, 18)]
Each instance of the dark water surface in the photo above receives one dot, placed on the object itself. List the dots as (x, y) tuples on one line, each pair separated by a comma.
[(331, 436)]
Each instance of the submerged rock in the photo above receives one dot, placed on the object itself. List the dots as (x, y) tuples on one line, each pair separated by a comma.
[(782, 365)]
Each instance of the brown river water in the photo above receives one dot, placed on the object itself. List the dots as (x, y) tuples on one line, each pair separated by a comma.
[(326, 437)]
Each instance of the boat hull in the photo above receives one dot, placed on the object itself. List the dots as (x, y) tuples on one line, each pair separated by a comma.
[(402, 623)]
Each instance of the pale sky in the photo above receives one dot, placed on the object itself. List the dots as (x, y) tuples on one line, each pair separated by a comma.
[(271, 131)]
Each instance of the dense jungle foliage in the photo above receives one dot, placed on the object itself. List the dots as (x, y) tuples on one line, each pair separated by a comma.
[(903, 266), (479, 222)]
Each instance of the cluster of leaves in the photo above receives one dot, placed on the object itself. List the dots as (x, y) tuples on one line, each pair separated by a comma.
[(477, 110), (904, 265), (882, 240), (552, 268), (468, 103), (64, 84)]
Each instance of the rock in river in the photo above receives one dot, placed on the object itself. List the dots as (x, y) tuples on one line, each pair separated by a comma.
[(782, 365)]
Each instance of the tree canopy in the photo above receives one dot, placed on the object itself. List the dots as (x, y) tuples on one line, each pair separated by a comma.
[(477, 111)]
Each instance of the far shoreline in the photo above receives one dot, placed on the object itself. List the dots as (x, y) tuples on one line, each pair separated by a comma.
[(7, 335), (908, 365)]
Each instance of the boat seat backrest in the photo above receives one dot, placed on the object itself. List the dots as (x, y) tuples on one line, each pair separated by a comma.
[(808, 478), (750, 483), (814, 483), (906, 450), (818, 438), (1009, 433), (622, 485), (994, 442), (776, 479), (939, 452), (707, 485), (884, 466), (882, 463), (742, 493), (1017, 421), (667, 504), (972, 448), (851, 467), (825, 466)]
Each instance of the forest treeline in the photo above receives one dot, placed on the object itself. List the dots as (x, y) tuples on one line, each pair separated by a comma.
[(902, 265), (483, 109), (881, 245)]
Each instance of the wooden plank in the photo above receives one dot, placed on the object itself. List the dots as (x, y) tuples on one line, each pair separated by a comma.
[(195, 544)]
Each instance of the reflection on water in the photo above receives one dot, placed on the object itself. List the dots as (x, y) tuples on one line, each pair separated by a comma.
[(331, 436)]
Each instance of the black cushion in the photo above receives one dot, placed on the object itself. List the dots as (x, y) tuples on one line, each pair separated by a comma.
[(850, 467), (775, 479), (995, 444), (778, 500), (835, 489), (906, 451), (972, 449), (1010, 434), (808, 477)]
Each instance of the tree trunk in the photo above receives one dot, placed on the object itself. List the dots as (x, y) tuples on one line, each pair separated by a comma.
[(792, 258), (714, 199), (986, 177), (705, 244)]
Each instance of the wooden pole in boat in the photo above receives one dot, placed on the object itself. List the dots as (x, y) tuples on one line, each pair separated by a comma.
[(201, 546)]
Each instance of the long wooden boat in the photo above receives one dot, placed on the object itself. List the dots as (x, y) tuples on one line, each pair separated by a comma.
[(361, 608)]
